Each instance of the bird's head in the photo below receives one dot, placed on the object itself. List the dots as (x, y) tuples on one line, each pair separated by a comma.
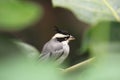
[(62, 35)]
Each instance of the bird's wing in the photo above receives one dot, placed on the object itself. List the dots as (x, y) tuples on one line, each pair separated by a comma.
[(57, 53), (44, 57), (52, 50)]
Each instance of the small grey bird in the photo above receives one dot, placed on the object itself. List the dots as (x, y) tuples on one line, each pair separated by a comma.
[(57, 48)]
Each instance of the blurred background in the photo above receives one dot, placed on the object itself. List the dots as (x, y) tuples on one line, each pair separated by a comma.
[(43, 29), (26, 25)]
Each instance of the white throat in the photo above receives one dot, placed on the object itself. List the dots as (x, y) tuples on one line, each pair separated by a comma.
[(65, 42)]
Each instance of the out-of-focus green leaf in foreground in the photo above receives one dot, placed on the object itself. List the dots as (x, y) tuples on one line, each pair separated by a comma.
[(25, 70), (12, 48), (92, 11), (104, 44), (18, 61), (17, 14)]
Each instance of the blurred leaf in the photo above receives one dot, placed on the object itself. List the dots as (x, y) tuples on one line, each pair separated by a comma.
[(12, 48), (86, 41), (87, 35), (22, 69), (18, 14), (19, 61), (92, 11), (105, 46)]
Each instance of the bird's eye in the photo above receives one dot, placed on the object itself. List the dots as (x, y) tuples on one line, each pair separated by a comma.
[(66, 37)]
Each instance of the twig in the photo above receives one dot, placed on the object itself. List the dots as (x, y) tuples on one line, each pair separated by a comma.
[(78, 66)]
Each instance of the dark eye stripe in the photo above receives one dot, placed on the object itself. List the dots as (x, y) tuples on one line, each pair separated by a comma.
[(66, 37), (62, 39)]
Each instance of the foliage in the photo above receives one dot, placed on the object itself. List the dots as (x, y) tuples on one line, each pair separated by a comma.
[(92, 11), (19, 61), (104, 45), (17, 14), (102, 39)]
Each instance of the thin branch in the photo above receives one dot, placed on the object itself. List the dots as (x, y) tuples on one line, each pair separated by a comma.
[(77, 66)]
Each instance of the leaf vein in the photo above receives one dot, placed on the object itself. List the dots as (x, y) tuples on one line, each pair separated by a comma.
[(112, 10)]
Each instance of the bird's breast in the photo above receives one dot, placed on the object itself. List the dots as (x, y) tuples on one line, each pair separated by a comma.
[(66, 48)]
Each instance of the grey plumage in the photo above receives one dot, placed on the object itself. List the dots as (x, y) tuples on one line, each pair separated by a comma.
[(54, 50)]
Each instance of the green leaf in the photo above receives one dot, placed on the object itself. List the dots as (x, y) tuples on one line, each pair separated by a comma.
[(22, 69), (86, 41), (19, 61), (17, 14), (105, 46), (87, 37), (12, 49), (92, 11)]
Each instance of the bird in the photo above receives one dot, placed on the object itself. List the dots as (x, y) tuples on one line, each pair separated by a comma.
[(57, 48)]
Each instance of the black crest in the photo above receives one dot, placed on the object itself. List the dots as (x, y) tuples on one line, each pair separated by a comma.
[(61, 31)]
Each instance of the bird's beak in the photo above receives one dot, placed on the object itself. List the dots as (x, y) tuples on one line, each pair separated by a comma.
[(72, 38)]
